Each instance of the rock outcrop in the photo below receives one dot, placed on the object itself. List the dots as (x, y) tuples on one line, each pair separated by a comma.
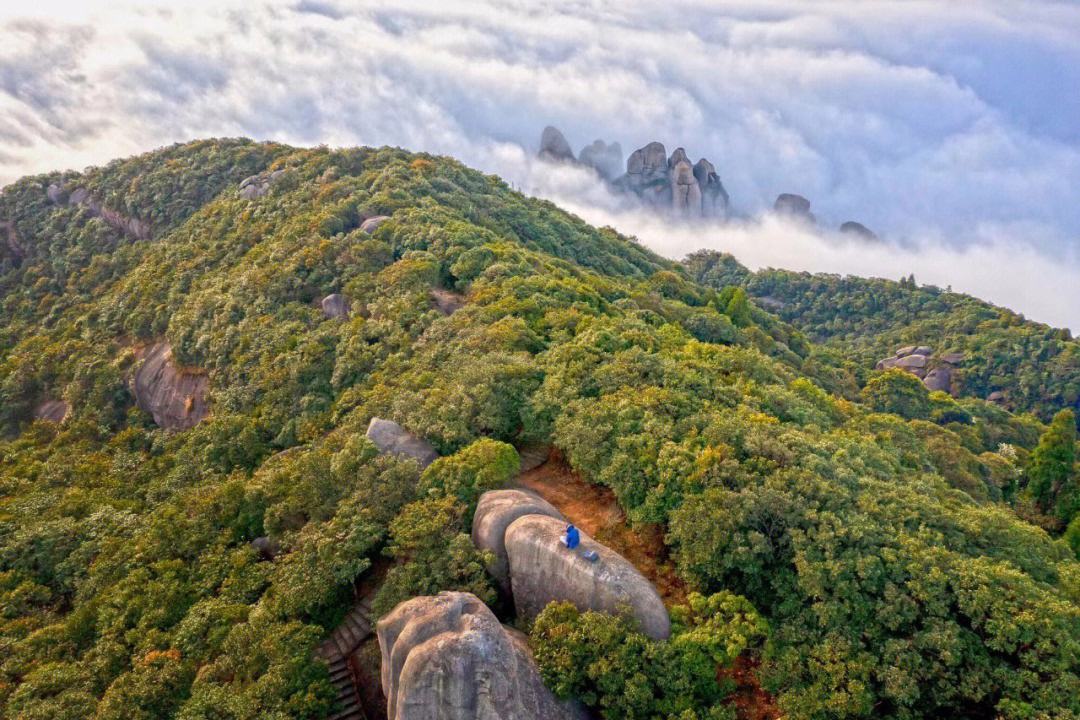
[(936, 373), (543, 570), (174, 396), (448, 658), (55, 411), (372, 223), (391, 438), (256, 186), (495, 512), (857, 230), (672, 185), (606, 159), (12, 243), (124, 224), (553, 146), (795, 207), (335, 306)]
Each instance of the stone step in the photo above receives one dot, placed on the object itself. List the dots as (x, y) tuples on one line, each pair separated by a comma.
[(351, 713)]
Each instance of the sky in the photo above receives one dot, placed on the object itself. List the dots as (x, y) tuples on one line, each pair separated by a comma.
[(950, 129)]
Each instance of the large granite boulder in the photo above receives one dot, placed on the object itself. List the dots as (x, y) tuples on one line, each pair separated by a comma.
[(606, 159), (939, 378), (448, 658), (553, 146), (124, 224), (543, 570), (335, 306), (256, 186), (174, 396), (795, 207), (495, 512), (714, 198), (391, 438)]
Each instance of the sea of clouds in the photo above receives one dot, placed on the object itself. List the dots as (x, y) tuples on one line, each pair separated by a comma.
[(951, 129)]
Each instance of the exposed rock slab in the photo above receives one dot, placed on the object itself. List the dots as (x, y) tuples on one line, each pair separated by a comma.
[(448, 658), (495, 512), (372, 223), (55, 411), (174, 396), (939, 378), (542, 570), (391, 438), (714, 198)]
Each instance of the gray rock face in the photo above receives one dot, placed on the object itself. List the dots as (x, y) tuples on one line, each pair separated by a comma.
[(939, 378), (11, 239), (256, 186), (372, 223), (714, 198), (266, 547), (543, 570), (553, 146), (55, 194), (857, 230), (794, 206), (175, 397), (647, 173), (391, 438), (495, 512), (606, 159), (55, 411), (335, 306), (448, 658), (997, 397), (953, 358)]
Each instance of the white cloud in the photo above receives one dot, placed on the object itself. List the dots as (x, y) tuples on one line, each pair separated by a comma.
[(951, 129)]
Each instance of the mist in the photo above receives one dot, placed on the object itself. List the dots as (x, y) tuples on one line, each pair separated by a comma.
[(952, 131)]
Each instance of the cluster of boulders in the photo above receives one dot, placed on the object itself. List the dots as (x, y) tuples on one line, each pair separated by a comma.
[(671, 183), (130, 226), (176, 397), (937, 373), (255, 186)]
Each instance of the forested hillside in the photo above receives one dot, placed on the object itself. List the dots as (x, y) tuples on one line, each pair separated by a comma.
[(850, 530), (1035, 367)]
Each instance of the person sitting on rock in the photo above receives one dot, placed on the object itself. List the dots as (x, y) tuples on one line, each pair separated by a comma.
[(571, 538)]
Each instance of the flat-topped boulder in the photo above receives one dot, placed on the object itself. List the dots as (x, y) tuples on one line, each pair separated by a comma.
[(857, 230), (495, 512), (543, 570), (174, 396), (391, 438), (448, 658)]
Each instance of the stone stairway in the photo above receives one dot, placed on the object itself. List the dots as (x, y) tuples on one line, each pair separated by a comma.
[(336, 649)]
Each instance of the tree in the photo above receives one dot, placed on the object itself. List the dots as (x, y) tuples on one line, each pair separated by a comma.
[(738, 308), (1051, 470), (898, 392)]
